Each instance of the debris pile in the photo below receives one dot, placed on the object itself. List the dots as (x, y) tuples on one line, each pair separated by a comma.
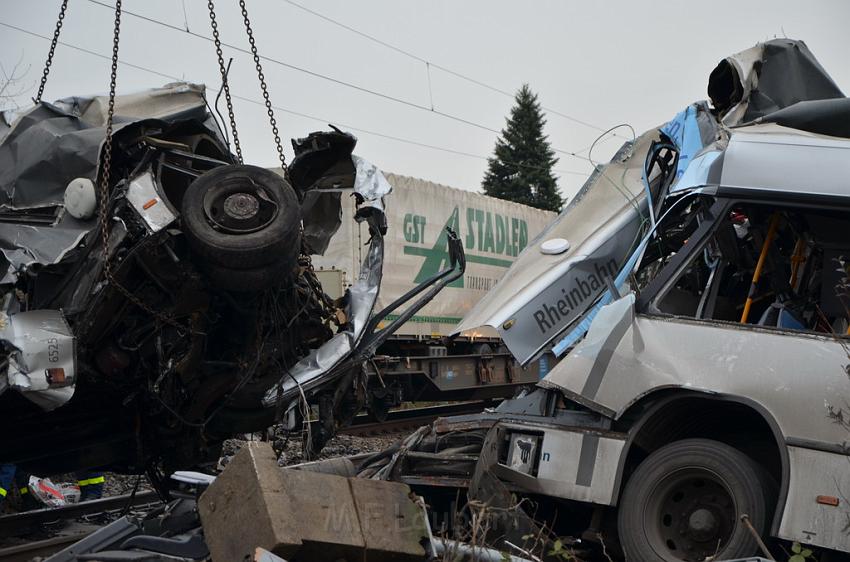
[(695, 296), (306, 515), (154, 316)]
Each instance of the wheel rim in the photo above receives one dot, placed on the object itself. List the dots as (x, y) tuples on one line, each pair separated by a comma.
[(691, 515), (239, 206)]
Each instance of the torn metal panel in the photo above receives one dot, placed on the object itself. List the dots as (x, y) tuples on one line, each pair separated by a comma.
[(27, 244), (691, 130), (826, 117), (50, 145), (174, 101), (42, 357), (321, 212), (634, 360), (370, 184), (766, 78), (146, 198), (617, 367), (805, 519), (770, 160), (593, 354), (190, 297), (45, 149), (362, 295), (572, 463), (321, 208), (783, 161), (542, 294)]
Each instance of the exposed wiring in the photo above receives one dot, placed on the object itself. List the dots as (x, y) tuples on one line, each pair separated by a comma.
[(647, 165), (220, 120), (583, 325), (589, 149), (621, 187)]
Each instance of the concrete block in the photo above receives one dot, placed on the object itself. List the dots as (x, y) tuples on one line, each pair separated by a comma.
[(248, 507), (392, 524), (327, 518), (303, 516)]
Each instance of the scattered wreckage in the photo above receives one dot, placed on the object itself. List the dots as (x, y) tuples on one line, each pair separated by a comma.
[(695, 293), (296, 514), (698, 405), (196, 314)]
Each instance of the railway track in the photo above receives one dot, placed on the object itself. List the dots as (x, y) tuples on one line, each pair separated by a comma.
[(29, 521), (19, 524), (410, 419)]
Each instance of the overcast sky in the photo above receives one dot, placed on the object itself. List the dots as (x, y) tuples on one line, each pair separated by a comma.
[(602, 63)]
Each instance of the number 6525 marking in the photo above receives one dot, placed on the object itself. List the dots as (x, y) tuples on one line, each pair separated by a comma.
[(53, 350)]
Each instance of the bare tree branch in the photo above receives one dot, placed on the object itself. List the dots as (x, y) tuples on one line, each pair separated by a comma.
[(13, 84)]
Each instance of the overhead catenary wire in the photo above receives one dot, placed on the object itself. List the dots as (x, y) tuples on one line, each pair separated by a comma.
[(430, 63), (306, 70), (283, 109), (338, 81)]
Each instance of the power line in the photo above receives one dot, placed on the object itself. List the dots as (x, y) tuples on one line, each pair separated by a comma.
[(325, 77), (285, 110), (301, 69), (437, 66)]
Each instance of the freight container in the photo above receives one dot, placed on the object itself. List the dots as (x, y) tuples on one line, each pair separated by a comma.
[(420, 362), (494, 232)]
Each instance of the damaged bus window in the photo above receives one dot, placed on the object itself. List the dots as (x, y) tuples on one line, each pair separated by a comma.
[(763, 265)]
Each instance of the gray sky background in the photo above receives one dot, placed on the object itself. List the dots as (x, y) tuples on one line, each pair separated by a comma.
[(603, 63)]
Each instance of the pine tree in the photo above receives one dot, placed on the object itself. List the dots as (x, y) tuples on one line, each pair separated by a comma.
[(521, 169)]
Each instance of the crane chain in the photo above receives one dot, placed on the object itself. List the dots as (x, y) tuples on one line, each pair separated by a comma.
[(224, 84), (50, 53), (262, 78), (103, 209)]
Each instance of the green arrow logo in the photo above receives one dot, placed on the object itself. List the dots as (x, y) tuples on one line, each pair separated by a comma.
[(437, 257)]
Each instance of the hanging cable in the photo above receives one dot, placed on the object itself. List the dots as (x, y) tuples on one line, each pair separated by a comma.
[(224, 82), (52, 50)]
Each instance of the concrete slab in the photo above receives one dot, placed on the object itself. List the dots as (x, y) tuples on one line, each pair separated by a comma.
[(392, 524), (327, 518), (300, 515), (248, 507)]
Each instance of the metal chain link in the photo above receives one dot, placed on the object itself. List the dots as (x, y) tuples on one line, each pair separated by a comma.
[(50, 53), (263, 86), (103, 210), (224, 84), (106, 168)]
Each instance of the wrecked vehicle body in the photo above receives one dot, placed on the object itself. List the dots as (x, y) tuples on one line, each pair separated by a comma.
[(702, 388), (197, 314)]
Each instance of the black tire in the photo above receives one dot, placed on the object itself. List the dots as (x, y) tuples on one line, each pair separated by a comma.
[(251, 280), (242, 217), (685, 501)]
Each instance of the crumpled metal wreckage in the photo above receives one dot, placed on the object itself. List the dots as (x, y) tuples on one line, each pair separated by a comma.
[(211, 321), (689, 292), (694, 292)]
